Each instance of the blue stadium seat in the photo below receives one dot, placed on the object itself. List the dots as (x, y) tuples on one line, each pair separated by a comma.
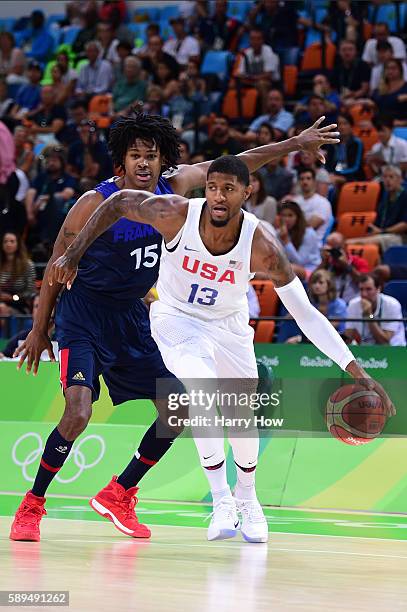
[(169, 12), (54, 19), (238, 9), (139, 30), (69, 34), (398, 289), (395, 255), (328, 229), (386, 13), (6, 24), (217, 62), (400, 132), (166, 30)]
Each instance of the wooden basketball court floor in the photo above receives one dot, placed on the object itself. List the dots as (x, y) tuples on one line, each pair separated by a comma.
[(313, 561)]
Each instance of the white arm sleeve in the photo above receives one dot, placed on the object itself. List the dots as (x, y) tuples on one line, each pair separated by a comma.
[(315, 326)]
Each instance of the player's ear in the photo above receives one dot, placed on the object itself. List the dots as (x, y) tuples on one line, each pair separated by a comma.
[(248, 192)]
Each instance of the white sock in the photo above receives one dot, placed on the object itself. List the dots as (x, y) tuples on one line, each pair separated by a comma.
[(217, 481), (217, 495), (245, 487)]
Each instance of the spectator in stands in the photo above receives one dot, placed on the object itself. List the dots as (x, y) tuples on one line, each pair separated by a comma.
[(278, 22), (69, 74), (381, 34), (28, 96), (166, 80), (301, 160), (219, 31), (184, 153), (154, 55), (259, 66), (106, 36), (87, 33), (24, 154), (265, 134), (346, 19), (300, 241), (50, 197), (344, 161), (10, 55), (220, 141), (130, 88), (280, 119), (42, 43), (96, 77), (323, 90), (391, 95), (323, 295), (46, 122), (154, 104), (387, 272), (6, 101), (278, 181), (14, 342), (78, 111), (314, 108), (317, 209), (17, 276), (259, 203), (183, 46), (384, 52), (88, 158), (390, 227), (389, 150), (124, 49), (372, 304), (351, 75), (61, 91), (10, 213), (346, 269)]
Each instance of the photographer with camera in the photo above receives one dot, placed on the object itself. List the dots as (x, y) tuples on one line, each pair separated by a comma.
[(346, 269)]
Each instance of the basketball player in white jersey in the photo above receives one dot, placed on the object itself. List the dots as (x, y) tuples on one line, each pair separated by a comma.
[(201, 323)]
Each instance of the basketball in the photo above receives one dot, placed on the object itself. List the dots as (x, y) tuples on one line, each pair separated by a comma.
[(355, 415)]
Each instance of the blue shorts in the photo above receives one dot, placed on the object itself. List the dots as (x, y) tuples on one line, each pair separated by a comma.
[(97, 340)]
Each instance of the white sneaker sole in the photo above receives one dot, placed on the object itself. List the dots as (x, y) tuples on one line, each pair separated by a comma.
[(223, 534), (255, 539), (100, 509)]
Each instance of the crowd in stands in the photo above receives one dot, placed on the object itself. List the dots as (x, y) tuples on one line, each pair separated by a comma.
[(230, 75)]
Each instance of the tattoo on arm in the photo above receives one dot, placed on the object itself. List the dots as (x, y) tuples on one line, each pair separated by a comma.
[(68, 237), (278, 264)]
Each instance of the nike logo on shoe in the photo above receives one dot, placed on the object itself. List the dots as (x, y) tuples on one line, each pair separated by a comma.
[(237, 525)]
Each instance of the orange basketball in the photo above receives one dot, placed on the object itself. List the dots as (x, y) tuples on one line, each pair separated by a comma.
[(355, 415)]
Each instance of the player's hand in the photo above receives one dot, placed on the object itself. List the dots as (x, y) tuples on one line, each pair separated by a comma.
[(315, 137), (31, 349), (363, 379), (63, 270)]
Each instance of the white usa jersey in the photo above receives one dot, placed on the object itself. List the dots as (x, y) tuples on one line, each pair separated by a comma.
[(198, 283)]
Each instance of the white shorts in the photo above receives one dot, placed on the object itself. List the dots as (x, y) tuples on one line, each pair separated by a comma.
[(222, 348)]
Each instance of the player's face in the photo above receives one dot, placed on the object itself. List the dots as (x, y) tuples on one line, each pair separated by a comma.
[(143, 165), (225, 196)]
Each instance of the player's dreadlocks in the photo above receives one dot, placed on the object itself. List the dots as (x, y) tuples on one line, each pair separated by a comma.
[(148, 128)]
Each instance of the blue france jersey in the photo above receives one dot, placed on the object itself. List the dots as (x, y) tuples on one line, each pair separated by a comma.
[(122, 264)]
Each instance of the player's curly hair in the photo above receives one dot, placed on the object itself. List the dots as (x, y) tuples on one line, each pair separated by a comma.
[(149, 129)]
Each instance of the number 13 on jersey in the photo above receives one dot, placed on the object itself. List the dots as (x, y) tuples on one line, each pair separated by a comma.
[(208, 298)]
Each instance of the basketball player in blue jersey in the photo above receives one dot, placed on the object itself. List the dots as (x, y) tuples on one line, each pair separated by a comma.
[(201, 320), (102, 324)]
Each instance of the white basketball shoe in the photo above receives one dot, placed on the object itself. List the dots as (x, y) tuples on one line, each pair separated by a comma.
[(225, 522), (254, 526)]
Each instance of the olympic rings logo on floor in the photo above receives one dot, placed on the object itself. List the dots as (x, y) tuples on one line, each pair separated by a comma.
[(77, 455)]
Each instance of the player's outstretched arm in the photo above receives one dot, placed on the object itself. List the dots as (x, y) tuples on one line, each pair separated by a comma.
[(166, 213), (37, 340), (191, 176), (269, 256)]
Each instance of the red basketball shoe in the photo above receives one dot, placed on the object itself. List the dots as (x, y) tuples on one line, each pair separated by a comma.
[(26, 524), (117, 505)]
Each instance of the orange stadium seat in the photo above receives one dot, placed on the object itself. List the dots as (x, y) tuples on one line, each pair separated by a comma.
[(361, 113), (100, 109), (249, 97), (354, 224), (312, 58), (367, 135), (370, 252), (290, 77), (263, 331), (268, 298), (358, 196)]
